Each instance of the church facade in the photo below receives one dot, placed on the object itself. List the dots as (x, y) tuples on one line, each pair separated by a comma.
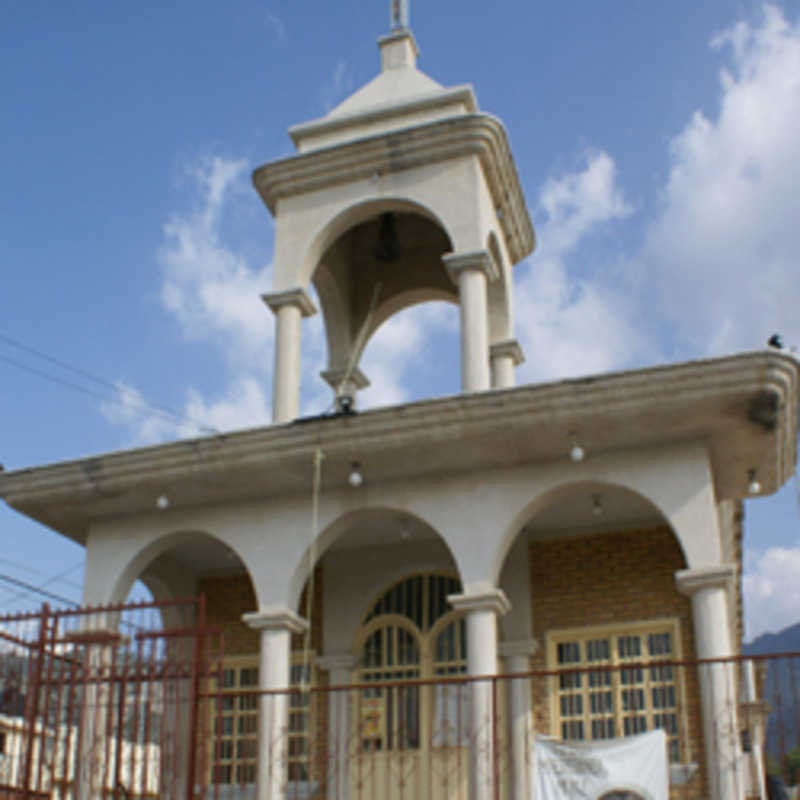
[(506, 529)]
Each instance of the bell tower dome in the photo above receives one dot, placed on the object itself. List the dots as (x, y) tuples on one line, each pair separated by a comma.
[(403, 193)]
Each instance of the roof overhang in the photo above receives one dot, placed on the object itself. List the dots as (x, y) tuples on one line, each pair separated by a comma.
[(481, 135), (743, 407)]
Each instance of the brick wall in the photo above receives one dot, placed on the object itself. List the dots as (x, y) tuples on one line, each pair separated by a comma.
[(613, 579), (227, 598), (230, 596)]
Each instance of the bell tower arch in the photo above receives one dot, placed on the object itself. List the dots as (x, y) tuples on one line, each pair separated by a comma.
[(403, 193)]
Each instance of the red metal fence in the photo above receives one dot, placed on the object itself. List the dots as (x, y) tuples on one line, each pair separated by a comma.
[(102, 702), (110, 703)]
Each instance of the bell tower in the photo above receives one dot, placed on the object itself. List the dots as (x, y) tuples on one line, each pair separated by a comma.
[(403, 193)]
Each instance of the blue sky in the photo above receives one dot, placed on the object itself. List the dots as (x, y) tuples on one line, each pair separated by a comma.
[(656, 143)]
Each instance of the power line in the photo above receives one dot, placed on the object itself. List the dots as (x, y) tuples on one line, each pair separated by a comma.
[(38, 590), (61, 575), (163, 411), (39, 572)]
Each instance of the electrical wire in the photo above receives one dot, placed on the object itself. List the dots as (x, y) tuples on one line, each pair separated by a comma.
[(114, 390), (31, 588), (6, 601), (41, 573)]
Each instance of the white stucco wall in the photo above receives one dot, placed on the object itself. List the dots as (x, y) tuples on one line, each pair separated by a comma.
[(478, 515)]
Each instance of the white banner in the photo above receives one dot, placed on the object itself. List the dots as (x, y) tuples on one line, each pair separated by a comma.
[(633, 768)]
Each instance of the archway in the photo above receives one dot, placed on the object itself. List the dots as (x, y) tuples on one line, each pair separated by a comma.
[(378, 259), (413, 355), (591, 574)]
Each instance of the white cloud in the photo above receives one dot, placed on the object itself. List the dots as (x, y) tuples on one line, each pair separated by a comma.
[(214, 293), (772, 590), (403, 357), (570, 326), (723, 249), (574, 204), (244, 405), (208, 285)]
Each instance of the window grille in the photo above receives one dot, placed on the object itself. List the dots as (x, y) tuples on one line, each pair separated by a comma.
[(236, 722), (411, 632), (617, 700)]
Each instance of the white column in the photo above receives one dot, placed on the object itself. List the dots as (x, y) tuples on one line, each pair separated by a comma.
[(517, 657), (340, 668), (470, 272), (708, 587), (289, 308), (503, 357), (276, 626), (481, 610)]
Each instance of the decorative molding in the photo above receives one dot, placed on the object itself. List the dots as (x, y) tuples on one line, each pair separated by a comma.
[(275, 618), (690, 581), (298, 297), (480, 135), (508, 347), (668, 404), (479, 260), (488, 600)]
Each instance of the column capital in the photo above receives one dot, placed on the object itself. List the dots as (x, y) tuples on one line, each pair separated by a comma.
[(508, 347), (297, 297), (690, 581), (333, 377), (479, 260), (336, 661), (489, 600), (275, 618), (517, 647)]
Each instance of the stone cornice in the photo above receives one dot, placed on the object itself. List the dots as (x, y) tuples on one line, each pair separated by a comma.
[(489, 600), (480, 260), (297, 297), (480, 135), (690, 581), (274, 618), (706, 401)]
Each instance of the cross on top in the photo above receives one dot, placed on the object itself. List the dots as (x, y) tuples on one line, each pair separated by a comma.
[(399, 14)]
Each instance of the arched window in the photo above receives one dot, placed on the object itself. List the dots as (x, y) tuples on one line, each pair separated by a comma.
[(411, 633)]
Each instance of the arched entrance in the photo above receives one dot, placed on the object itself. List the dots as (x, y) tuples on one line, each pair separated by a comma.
[(409, 726), (595, 566), (410, 633)]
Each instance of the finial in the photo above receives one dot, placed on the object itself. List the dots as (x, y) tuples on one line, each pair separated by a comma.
[(399, 14)]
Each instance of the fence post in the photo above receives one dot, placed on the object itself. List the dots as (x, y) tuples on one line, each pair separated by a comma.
[(35, 666), (194, 700)]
